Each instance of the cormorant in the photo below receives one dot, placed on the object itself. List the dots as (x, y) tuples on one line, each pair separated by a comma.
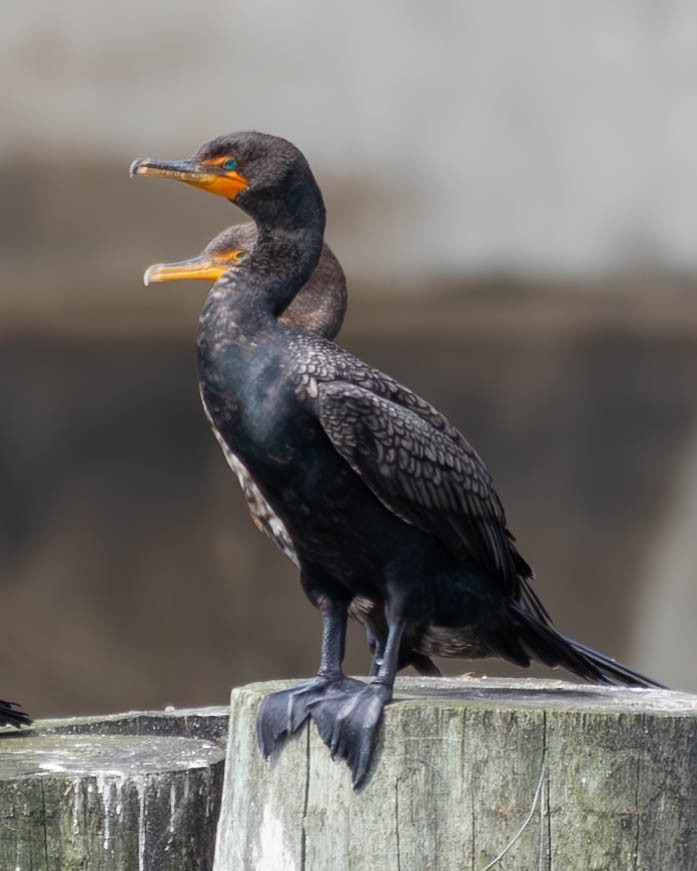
[(319, 306), (12, 715), (381, 496)]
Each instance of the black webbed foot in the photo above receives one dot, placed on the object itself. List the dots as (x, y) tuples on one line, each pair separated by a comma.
[(347, 724), (284, 712)]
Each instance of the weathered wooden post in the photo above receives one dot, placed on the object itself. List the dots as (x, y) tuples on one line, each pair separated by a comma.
[(476, 774), (133, 792)]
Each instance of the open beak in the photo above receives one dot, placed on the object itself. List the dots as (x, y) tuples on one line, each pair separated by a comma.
[(207, 176), (208, 267)]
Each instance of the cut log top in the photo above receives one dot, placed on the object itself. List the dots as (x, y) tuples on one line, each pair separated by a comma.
[(536, 694), (507, 693), (101, 755), (126, 745), (543, 774), (209, 723), (128, 791)]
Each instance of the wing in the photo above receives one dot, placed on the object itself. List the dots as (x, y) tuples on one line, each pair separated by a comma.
[(323, 362), (424, 471)]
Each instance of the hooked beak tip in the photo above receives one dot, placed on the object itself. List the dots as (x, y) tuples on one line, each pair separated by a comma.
[(136, 167)]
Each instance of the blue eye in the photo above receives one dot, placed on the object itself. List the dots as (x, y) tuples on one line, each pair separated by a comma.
[(229, 163)]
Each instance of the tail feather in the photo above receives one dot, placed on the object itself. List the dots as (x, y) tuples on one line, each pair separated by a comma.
[(12, 715), (531, 601), (547, 645), (614, 672)]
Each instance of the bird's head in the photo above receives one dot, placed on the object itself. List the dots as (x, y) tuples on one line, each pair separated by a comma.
[(262, 174), (225, 251)]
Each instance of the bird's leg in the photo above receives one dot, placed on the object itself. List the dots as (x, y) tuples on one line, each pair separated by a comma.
[(347, 725), (284, 712), (377, 648), (334, 619)]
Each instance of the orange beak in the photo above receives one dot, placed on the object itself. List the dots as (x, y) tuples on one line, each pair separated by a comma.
[(209, 176), (208, 267)]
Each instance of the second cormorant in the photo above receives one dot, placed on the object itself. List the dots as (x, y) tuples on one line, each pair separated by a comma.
[(319, 306)]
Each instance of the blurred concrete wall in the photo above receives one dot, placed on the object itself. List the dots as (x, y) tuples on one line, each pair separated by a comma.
[(454, 137)]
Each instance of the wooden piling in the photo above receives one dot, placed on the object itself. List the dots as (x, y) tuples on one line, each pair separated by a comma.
[(134, 792), (474, 774)]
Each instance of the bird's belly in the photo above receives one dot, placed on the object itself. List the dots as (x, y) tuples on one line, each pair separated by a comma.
[(333, 519), (339, 529)]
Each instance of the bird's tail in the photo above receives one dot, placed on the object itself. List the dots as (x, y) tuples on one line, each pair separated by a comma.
[(526, 638), (12, 715)]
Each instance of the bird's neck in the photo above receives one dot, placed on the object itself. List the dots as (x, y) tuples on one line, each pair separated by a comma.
[(280, 263), (249, 298), (321, 304), (289, 244)]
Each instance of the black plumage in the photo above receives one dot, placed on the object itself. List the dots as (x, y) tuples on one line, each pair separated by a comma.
[(319, 306), (12, 715), (389, 508)]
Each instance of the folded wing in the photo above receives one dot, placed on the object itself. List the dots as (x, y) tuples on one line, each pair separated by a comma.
[(424, 471)]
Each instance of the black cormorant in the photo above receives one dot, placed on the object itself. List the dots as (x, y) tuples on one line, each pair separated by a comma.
[(381, 496), (320, 307)]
